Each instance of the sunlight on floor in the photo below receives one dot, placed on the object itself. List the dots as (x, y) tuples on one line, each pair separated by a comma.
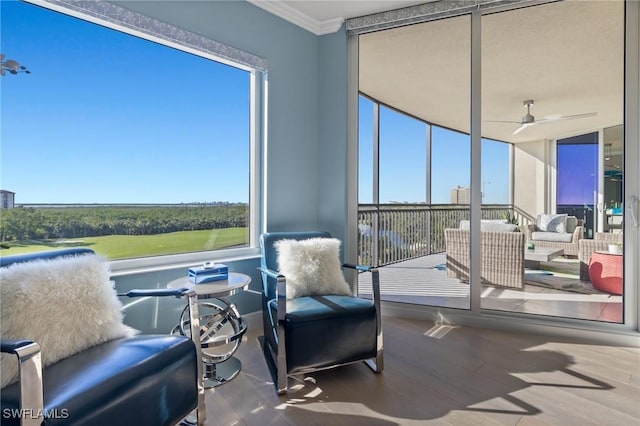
[(499, 293)]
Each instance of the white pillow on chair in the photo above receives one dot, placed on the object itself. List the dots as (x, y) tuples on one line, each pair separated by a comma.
[(311, 267), (552, 223), (65, 305)]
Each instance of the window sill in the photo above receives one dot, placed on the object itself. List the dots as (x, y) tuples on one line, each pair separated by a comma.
[(162, 263)]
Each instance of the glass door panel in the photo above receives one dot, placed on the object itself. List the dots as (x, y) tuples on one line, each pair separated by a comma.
[(577, 179), (613, 176), (414, 177), (538, 95)]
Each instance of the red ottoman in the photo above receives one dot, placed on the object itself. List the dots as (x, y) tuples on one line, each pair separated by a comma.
[(605, 272)]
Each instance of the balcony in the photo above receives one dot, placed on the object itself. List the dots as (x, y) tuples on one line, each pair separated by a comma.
[(406, 241)]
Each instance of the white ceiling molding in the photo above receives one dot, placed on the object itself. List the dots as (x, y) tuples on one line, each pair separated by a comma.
[(293, 15)]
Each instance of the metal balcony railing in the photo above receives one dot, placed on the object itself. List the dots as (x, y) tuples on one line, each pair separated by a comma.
[(390, 233)]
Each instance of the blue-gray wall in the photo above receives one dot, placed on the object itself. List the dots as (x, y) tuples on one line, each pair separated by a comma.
[(294, 87), (332, 135), (306, 149)]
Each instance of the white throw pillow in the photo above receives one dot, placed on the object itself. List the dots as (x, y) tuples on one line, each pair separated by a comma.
[(553, 223), (65, 305), (311, 267)]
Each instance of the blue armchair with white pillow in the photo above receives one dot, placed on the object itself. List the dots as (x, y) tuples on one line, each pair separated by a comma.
[(312, 320), (68, 359)]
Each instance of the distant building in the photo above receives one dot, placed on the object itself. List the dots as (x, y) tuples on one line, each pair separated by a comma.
[(7, 199), (460, 195)]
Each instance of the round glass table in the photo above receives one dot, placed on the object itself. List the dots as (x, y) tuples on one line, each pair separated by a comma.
[(221, 326)]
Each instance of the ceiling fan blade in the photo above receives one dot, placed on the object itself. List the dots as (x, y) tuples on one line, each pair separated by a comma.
[(521, 128), (552, 119), (501, 121)]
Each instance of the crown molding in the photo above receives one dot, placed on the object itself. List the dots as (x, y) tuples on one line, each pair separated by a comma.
[(293, 15)]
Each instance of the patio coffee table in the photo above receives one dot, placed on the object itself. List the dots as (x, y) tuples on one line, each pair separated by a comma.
[(533, 257)]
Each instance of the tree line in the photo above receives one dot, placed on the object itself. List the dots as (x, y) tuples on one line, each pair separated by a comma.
[(28, 223)]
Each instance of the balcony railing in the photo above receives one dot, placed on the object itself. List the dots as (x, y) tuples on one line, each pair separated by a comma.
[(390, 233)]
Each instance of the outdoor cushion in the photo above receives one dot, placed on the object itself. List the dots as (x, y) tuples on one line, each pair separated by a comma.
[(572, 224), (558, 237), (552, 223), (488, 225)]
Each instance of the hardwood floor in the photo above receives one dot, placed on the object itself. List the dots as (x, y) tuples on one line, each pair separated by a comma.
[(463, 376)]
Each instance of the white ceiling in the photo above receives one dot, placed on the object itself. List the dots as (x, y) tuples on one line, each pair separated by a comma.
[(566, 56)]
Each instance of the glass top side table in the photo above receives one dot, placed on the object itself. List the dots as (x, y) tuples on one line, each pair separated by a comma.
[(221, 326)]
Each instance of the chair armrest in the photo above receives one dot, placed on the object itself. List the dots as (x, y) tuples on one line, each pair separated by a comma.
[(375, 283), (281, 303), (375, 279), (155, 292), (528, 230), (361, 268), (281, 291), (194, 322), (578, 233), (269, 272), (30, 378), (11, 346), (378, 366)]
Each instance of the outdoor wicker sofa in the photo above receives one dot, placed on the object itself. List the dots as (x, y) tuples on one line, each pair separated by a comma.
[(599, 243), (502, 257), (567, 241)]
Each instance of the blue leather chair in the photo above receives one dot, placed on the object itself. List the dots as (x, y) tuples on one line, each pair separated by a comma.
[(312, 333), (140, 380)]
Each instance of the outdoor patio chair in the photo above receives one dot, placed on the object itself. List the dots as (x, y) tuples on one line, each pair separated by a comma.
[(76, 362), (323, 327), (502, 257), (566, 239)]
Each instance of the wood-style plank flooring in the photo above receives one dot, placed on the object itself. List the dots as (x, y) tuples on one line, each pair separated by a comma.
[(467, 376)]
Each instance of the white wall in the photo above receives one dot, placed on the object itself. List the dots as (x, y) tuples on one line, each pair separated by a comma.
[(530, 177)]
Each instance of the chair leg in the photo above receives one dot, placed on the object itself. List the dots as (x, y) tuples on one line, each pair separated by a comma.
[(194, 318), (282, 378), (271, 359), (376, 364), (281, 370)]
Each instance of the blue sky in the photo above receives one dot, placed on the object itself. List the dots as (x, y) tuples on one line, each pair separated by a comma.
[(109, 118), (403, 160), (105, 117)]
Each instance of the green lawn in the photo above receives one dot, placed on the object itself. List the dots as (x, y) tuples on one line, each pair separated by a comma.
[(129, 246)]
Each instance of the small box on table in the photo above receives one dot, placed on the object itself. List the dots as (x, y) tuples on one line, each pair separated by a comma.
[(201, 274)]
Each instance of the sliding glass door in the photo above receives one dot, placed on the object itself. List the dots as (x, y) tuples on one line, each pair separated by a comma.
[(577, 180), (552, 104), (542, 93)]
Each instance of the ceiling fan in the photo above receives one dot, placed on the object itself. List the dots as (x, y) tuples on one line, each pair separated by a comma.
[(529, 120)]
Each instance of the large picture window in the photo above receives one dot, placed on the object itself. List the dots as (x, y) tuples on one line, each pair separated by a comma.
[(122, 144)]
